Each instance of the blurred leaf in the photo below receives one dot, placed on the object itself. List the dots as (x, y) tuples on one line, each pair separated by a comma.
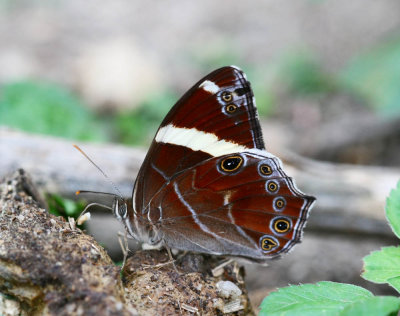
[(382, 266), (46, 108), (393, 210), (376, 76), (140, 125), (373, 306), (323, 298), (264, 100), (60, 206), (303, 75)]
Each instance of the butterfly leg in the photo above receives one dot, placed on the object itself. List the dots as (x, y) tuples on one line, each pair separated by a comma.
[(219, 270), (160, 246), (123, 242), (171, 258)]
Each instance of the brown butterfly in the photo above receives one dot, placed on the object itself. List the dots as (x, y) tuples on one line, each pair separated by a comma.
[(207, 183)]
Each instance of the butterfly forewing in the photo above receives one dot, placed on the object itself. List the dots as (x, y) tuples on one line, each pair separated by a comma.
[(221, 104)]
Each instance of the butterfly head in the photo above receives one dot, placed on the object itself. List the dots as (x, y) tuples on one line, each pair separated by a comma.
[(119, 208)]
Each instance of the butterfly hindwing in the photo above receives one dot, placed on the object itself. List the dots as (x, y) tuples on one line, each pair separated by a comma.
[(244, 212)]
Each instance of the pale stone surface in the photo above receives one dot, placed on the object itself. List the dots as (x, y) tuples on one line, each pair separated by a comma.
[(228, 289), (10, 307)]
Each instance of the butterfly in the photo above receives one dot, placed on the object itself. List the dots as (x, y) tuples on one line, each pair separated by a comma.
[(207, 183)]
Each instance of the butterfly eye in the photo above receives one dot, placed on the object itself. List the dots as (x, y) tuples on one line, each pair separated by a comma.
[(119, 208), (123, 210), (231, 164), (266, 169), (231, 108), (281, 225), (227, 96), (279, 204), (272, 186), (268, 243)]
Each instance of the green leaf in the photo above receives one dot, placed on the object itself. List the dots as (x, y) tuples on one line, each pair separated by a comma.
[(64, 207), (373, 306), (393, 210), (46, 108), (382, 266), (323, 298), (304, 75), (140, 125)]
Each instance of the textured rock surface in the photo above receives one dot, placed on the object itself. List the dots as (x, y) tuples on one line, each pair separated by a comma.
[(48, 266), (157, 286)]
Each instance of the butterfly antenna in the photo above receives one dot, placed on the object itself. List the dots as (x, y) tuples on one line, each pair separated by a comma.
[(98, 168)]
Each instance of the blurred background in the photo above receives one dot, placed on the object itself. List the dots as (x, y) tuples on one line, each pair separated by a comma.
[(326, 76)]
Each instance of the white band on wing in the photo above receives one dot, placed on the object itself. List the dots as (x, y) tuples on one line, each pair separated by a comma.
[(198, 140)]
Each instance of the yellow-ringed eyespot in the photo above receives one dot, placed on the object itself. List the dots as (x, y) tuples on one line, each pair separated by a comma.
[(279, 204), (266, 169), (226, 96), (268, 243), (231, 108), (231, 163), (272, 186), (281, 225)]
